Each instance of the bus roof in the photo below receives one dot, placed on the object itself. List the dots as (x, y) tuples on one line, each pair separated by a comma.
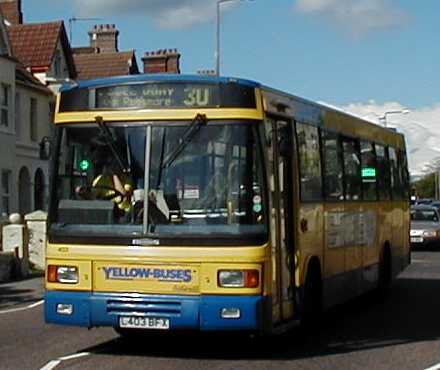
[(187, 78), (156, 78)]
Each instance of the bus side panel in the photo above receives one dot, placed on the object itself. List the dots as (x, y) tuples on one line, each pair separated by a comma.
[(310, 236), (372, 245), (406, 231), (355, 238), (385, 221), (400, 244), (334, 277)]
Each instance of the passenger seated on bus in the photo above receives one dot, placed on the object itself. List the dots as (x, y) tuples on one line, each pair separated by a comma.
[(110, 183)]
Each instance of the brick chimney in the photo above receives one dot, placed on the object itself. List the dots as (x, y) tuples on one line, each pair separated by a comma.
[(206, 72), (11, 10), (162, 61), (104, 37)]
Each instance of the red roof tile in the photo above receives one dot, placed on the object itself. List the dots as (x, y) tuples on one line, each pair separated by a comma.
[(99, 65), (34, 44)]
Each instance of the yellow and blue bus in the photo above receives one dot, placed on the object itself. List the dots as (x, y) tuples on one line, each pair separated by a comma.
[(217, 204)]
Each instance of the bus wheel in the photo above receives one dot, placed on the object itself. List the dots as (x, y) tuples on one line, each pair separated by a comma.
[(311, 312), (384, 280)]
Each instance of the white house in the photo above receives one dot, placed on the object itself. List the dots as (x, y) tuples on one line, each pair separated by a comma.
[(36, 59)]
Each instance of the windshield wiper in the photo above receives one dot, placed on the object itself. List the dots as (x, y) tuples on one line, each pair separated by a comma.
[(189, 134), (109, 140)]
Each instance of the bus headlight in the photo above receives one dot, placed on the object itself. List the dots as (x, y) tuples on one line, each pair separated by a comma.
[(62, 274), (238, 278)]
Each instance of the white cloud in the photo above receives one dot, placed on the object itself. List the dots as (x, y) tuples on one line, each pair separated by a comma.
[(420, 127), (358, 16), (166, 13)]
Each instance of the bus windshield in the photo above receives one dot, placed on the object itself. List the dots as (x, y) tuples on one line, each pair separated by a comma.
[(204, 182)]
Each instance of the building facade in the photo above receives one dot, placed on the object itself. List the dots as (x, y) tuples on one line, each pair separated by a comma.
[(8, 171), (35, 61), (33, 115)]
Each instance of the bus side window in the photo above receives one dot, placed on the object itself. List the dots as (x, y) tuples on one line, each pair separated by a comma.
[(369, 171), (309, 162), (383, 172), (404, 174), (352, 169), (332, 162), (396, 183)]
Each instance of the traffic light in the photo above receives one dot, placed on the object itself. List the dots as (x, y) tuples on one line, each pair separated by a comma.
[(84, 165)]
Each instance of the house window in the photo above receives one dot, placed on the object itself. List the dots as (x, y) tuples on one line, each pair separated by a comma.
[(51, 112), (4, 106), (57, 63), (33, 119), (6, 191), (18, 115)]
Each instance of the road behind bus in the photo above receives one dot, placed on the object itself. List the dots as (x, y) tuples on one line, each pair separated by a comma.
[(400, 333)]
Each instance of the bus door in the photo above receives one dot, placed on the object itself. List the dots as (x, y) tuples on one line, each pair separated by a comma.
[(280, 176)]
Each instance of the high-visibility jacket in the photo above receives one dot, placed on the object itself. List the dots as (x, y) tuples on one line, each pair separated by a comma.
[(105, 189)]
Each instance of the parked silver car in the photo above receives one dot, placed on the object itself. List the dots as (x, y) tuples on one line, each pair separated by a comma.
[(425, 226)]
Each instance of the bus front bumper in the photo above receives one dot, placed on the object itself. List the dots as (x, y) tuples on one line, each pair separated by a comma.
[(184, 312)]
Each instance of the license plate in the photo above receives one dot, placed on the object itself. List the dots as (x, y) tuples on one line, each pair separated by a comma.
[(135, 322), (416, 240)]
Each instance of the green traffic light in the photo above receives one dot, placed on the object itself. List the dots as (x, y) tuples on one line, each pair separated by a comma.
[(84, 165)]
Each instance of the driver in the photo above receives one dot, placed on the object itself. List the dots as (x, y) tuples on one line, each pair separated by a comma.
[(111, 183)]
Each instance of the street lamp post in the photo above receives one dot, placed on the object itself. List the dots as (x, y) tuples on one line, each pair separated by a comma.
[(217, 52), (383, 117)]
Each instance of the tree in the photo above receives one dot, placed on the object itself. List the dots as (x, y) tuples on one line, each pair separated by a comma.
[(425, 187)]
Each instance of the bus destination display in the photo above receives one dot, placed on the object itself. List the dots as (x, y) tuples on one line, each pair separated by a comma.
[(156, 96), (159, 96)]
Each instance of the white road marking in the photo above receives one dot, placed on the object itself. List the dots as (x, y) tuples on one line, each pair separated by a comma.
[(76, 355), (33, 305), (54, 363), (51, 365), (435, 367)]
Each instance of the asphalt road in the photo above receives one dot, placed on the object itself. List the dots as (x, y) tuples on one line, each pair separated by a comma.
[(402, 333)]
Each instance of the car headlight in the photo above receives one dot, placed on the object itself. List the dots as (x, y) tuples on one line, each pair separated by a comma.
[(62, 274), (238, 278), (430, 233)]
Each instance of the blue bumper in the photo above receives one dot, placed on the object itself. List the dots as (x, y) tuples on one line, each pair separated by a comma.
[(184, 312)]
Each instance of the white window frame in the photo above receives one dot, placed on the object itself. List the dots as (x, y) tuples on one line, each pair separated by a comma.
[(5, 104), (33, 119), (18, 115)]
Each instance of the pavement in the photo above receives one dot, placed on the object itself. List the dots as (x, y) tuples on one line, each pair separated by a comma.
[(21, 292)]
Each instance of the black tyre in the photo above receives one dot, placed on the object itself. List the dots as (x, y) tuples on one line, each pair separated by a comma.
[(385, 276), (311, 313)]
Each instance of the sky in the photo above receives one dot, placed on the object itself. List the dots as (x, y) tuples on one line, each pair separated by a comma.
[(365, 56)]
